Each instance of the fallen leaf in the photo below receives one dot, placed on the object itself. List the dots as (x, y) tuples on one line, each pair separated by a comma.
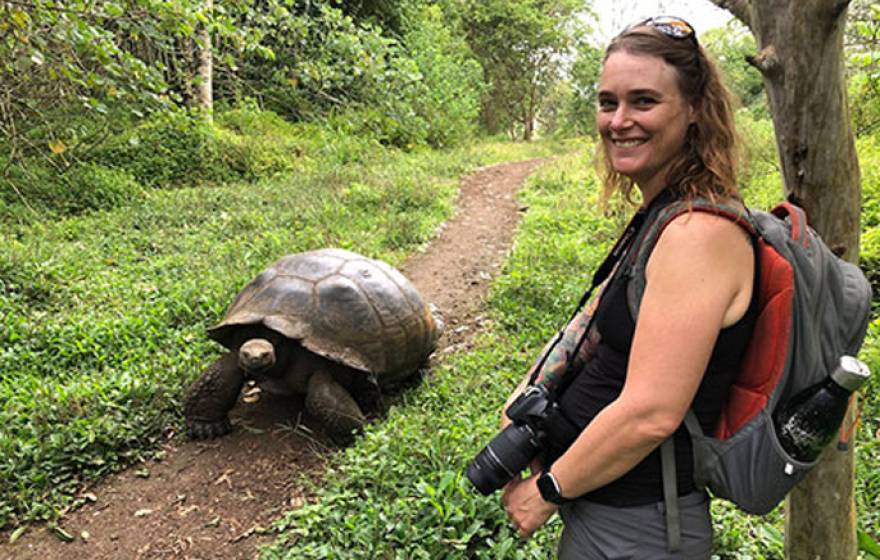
[(57, 147), (214, 522), (183, 512), (142, 473), (17, 534), (225, 478), (245, 535), (61, 533)]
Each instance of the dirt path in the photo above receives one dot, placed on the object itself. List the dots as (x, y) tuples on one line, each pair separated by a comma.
[(206, 500)]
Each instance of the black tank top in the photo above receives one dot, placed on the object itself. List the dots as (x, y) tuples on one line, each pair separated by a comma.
[(601, 381)]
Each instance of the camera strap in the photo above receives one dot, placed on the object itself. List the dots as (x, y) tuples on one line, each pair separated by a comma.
[(605, 270)]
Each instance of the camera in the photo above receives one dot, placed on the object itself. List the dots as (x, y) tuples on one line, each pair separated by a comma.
[(516, 446)]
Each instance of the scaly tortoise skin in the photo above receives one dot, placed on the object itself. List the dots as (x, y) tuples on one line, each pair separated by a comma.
[(316, 323)]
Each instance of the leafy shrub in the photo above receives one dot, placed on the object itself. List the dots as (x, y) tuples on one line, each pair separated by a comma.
[(84, 187), (171, 148), (869, 163), (447, 97), (760, 160), (329, 64), (92, 186)]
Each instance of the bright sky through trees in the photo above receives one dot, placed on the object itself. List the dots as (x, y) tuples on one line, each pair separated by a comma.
[(614, 15)]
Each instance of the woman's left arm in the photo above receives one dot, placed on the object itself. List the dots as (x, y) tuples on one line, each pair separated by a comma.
[(699, 280)]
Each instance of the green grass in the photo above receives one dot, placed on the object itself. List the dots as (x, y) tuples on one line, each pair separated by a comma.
[(102, 318), (102, 314), (400, 491)]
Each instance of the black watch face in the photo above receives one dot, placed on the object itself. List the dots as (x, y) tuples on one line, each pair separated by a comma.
[(547, 488)]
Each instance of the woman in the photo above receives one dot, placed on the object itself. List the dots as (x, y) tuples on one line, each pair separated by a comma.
[(667, 128)]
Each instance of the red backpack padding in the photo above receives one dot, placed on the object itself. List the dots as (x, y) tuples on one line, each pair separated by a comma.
[(764, 361)]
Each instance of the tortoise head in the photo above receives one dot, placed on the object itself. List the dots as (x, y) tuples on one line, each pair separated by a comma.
[(256, 356)]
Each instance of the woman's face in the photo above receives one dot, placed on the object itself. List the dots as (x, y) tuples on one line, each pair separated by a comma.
[(642, 117)]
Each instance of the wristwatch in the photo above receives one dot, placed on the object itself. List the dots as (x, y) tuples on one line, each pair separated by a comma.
[(549, 488)]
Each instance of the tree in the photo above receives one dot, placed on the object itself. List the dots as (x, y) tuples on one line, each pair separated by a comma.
[(521, 45), (801, 58), (570, 107)]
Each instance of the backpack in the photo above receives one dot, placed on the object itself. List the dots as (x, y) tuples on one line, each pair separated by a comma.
[(813, 307)]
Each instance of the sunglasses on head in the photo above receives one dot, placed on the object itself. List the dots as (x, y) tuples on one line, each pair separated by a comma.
[(671, 26)]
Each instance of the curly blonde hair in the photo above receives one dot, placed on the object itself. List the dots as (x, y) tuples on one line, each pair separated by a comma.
[(707, 165)]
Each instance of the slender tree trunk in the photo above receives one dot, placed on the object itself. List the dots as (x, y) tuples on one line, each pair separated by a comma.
[(205, 91), (528, 122), (800, 55)]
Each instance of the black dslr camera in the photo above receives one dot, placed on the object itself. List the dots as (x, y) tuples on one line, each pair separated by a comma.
[(513, 449)]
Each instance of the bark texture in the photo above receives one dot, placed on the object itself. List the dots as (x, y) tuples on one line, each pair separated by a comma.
[(800, 56), (205, 90)]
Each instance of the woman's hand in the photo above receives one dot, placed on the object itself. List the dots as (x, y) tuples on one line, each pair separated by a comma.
[(526, 508)]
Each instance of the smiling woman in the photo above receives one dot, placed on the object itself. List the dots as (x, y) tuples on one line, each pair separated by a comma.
[(667, 128)]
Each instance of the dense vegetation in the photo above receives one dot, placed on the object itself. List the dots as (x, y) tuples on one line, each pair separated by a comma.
[(401, 492), (132, 208)]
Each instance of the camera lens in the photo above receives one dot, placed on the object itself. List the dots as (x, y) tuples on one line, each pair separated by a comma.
[(504, 457)]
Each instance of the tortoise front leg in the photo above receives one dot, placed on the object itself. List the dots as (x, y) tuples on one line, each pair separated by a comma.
[(212, 396), (331, 403)]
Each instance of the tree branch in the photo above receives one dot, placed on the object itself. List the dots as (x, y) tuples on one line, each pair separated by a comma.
[(739, 8), (766, 61)]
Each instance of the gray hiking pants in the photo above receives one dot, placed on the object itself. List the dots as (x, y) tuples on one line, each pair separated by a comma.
[(599, 532)]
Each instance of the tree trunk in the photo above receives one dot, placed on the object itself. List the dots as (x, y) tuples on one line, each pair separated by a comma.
[(528, 122), (531, 111), (800, 56), (205, 90)]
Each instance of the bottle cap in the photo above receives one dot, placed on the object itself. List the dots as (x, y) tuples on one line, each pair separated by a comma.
[(850, 373)]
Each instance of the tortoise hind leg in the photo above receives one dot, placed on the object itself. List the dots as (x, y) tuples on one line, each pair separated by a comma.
[(334, 406), (212, 396)]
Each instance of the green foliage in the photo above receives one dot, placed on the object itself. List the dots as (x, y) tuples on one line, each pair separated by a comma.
[(869, 162), (329, 63), (83, 188), (102, 315), (181, 148), (868, 449), (169, 149), (730, 45), (576, 112), (447, 97), (863, 64), (521, 46), (759, 171)]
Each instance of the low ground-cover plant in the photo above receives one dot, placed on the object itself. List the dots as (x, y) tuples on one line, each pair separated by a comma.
[(401, 492), (102, 315)]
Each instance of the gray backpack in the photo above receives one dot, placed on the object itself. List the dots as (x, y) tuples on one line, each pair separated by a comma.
[(813, 308)]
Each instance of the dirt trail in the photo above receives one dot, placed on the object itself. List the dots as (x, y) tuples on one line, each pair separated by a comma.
[(206, 500)]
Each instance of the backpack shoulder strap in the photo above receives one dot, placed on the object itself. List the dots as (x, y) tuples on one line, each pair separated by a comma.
[(655, 223)]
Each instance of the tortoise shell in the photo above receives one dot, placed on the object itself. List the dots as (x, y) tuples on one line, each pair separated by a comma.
[(346, 307)]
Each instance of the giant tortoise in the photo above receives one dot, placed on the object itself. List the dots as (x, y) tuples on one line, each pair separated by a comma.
[(316, 323)]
